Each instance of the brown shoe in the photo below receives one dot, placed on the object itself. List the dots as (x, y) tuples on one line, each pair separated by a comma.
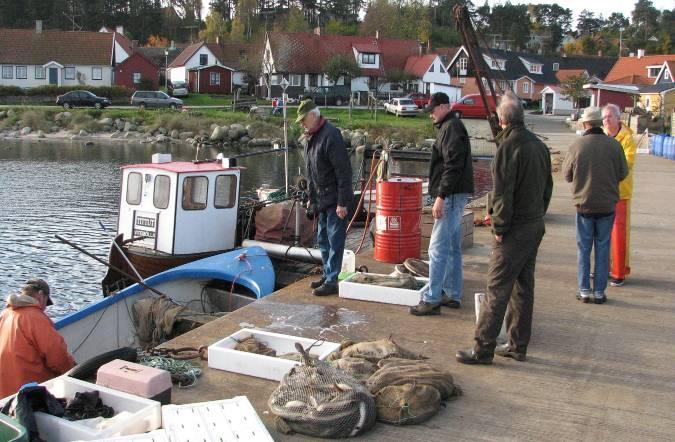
[(425, 309), (506, 352), (450, 303)]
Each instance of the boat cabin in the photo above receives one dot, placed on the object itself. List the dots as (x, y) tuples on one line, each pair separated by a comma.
[(179, 208)]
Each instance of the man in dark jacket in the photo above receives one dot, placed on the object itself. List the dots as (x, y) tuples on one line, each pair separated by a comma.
[(450, 184), (521, 172), (329, 173), (595, 164)]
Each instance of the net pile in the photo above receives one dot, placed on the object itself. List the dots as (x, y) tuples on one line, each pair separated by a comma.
[(154, 319)]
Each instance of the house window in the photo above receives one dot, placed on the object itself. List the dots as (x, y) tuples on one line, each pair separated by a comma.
[(70, 74), (526, 87), (556, 67), (503, 85), (666, 75), (462, 80), (134, 188), (214, 78), (313, 80), (431, 69), (296, 80), (160, 196), (40, 73), (21, 72), (96, 73), (653, 72), (514, 86), (535, 69), (137, 77), (368, 58), (195, 192), (203, 59), (440, 69), (462, 63), (226, 192), (8, 72), (275, 79)]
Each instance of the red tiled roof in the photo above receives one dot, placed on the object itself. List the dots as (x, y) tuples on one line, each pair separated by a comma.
[(368, 48), (187, 53), (564, 74), (25, 46), (634, 69), (300, 52), (418, 66)]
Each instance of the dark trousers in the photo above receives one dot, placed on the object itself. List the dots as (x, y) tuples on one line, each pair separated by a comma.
[(511, 266)]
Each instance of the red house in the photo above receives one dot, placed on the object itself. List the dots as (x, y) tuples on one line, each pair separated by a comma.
[(134, 69), (212, 79)]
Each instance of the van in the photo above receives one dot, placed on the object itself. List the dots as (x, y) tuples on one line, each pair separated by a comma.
[(158, 99), (471, 106)]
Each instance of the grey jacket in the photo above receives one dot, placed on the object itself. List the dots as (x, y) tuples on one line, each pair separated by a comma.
[(595, 164)]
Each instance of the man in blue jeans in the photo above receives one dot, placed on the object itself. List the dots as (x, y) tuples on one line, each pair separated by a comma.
[(450, 184), (329, 174), (595, 164)]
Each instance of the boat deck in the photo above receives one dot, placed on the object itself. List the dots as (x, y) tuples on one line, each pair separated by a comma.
[(594, 372)]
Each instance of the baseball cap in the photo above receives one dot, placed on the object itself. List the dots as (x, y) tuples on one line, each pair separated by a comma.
[(40, 284), (304, 108), (436, 99)]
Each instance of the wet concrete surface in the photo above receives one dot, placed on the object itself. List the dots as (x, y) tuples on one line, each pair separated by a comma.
[(594, 372)]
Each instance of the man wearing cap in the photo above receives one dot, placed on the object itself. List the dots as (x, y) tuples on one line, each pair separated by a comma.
[(329, 175), (595, 164), (30, 348), (450, 184)]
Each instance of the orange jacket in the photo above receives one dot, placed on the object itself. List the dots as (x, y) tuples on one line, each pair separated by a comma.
[(30, 348)]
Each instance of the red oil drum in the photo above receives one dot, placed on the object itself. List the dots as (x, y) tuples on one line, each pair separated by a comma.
[(398, 220)]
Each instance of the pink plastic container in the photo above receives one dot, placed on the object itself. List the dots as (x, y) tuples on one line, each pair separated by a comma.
[(147, 382)]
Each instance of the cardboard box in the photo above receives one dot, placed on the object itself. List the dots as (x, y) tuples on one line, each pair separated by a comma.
[(145, 414), (223, 356), (386, 295)]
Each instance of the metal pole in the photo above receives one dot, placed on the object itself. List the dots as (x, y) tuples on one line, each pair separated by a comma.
[(285, 98), (166, 70)]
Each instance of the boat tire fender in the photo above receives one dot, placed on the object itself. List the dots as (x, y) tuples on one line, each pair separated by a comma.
[(88, 368)]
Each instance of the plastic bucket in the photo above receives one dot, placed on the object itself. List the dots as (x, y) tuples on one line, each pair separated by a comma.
[(398, 220)]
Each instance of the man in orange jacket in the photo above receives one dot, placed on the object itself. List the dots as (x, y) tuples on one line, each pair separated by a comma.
[(30, 348), (619, 267)]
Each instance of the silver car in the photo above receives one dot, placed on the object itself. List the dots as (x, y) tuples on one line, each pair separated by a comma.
[(144, 99), (178, 89)]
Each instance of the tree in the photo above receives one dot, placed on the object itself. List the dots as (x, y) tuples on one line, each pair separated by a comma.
[(416, 22), (341, 66), (573, 87), (216, 28), (155, 41), (555, 20), (292, 21), (587, 24), (616, 22), (224, 7), (383, 17), (338, 27), (511, 23), (645, 17)]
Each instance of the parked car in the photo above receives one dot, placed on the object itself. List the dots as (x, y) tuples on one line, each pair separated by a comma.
[(330, 95), (81, 99), (419, 98), (472, 106), (178, 89), (144, 99), (401, 106)]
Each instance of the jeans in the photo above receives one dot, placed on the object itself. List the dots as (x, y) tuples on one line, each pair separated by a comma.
[(331, 235), (445, 251), (593, 232)]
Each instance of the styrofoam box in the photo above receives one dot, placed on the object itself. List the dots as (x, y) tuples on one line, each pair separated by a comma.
[(146, 414), (223, 356), (386, 295), (153, 436), (225, 420)]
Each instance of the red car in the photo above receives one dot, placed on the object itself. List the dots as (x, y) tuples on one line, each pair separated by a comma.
[(419, 98), (472, 106)]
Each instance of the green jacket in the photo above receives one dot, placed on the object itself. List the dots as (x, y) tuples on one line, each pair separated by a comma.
[(522, 182)]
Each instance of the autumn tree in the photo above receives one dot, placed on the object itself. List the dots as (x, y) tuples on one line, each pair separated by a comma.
[(216, 28), (573, 87)]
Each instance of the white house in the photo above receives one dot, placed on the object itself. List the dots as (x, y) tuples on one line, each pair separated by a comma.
[(431, 76), (38, 57), (553, 102), (200, 55)]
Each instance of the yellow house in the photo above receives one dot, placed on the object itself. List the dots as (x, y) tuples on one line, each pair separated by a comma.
[(659, 99)]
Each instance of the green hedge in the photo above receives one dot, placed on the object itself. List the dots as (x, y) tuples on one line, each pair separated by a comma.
[(7, 91), (52, 90)]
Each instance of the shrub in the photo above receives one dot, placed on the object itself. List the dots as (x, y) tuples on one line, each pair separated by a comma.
[(7, 91), (36, 119), (82, 120)]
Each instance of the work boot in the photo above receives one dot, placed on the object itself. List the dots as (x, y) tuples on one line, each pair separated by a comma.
[(317, 284), (450, 303), (505, 351), (326, 289), (425, 309), (470, 357)]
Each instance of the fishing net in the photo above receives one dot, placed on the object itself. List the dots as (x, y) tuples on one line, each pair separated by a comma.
[(398, 371), (182, 372), (374, 351), (252, 345), (407, 404), (154, 319), (319, 400), (403, 281), (358, 368)]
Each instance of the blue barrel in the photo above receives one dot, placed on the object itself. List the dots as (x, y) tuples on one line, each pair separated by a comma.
[(669, 148), (657, 145)]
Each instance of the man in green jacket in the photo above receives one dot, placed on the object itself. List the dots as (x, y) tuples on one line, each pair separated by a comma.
[(521, 172)]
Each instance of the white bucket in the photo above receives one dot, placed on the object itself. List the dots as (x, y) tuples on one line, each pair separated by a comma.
[(348, 261), (480, 298)]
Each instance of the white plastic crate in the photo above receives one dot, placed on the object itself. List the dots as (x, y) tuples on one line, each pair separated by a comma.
[(226, 420), (386, 295), (153, 436), (145, 414), (223, 356)]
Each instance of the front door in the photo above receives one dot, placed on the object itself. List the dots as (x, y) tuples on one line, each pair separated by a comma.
[(53, 76), (548, 103)]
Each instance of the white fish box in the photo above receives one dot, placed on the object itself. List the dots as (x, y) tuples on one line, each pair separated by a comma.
[(223, 356), (385, 295), (153, 436), (143, 414), (226, 420)]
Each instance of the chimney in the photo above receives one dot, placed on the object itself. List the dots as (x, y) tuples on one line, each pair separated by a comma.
[(600, 53), (429, 46), (38, 26), (641, 53), (317, 30), (134, 46), (377, 33), (119, 29)]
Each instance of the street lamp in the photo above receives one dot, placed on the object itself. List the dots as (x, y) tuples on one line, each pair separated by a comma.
[(166, 72)]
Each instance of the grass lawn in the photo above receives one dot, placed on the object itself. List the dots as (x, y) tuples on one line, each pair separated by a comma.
[(207, 100)]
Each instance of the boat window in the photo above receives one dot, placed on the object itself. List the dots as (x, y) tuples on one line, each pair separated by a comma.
[(226, 191), (195, 192), (160, 196), (134, 188)]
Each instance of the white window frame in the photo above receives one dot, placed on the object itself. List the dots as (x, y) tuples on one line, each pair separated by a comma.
[(295, 80), (655, 69), (462, 63), (462, 80), (556, 67), (366, 57), (69, 73), (24, 72), (275, 79), (214, 78), (136, 77), (206, 62), (535, 68), (94, 70), (7, 72), (666, 74), (39, 69), (526, 87)]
